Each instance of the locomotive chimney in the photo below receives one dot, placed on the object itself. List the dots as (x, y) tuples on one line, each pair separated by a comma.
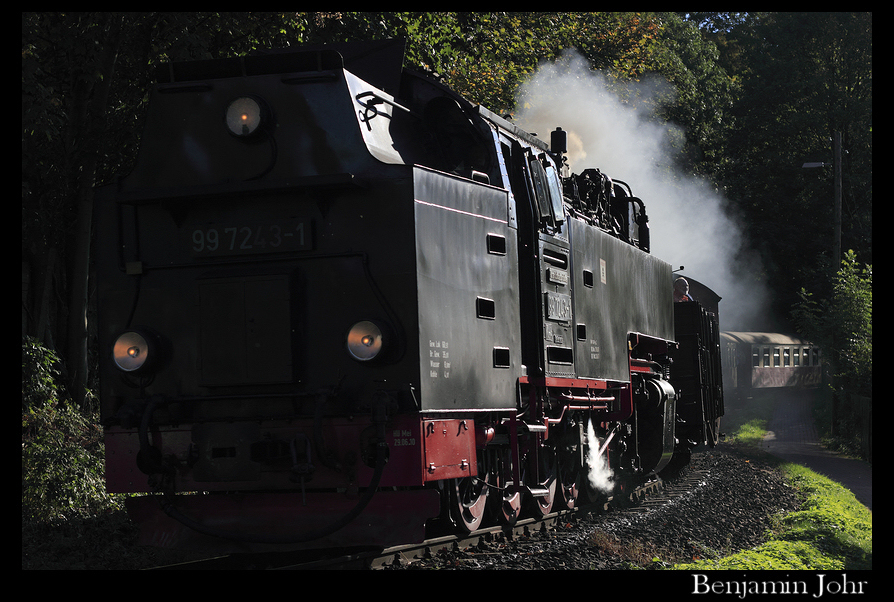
[(558, 141)]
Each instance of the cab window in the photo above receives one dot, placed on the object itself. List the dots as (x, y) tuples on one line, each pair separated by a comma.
[(548, 192)]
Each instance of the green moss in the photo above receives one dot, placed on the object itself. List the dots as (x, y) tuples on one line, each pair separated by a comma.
[(831, 531), (831, 519), (771, 556)]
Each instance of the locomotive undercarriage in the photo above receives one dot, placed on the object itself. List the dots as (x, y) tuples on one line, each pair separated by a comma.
[(572, 441), (528, 463)]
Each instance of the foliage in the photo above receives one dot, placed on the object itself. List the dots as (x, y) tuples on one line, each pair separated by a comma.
[(40, 374), (831, 531), (842, 324), (801, 77), (746, 422), (831, 519), (62, 450)]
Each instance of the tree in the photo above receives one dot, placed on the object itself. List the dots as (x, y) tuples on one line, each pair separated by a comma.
[(842, 323), (82, 64), (804, 76)]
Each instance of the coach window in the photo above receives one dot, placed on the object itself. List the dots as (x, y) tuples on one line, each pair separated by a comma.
[(775, 357), (796, 356), (766, 355), (786, 357), (755, 357), (805, 356)]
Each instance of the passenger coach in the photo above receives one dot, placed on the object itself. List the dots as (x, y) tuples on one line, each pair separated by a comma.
[(766, 360)]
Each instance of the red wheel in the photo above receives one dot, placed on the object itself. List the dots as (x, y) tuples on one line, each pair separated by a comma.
[(569, 475), (542, 505), (468, 497), (505, 506), (510, 507)]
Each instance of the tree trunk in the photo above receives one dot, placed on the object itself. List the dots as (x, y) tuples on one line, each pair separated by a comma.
[(92, 129)]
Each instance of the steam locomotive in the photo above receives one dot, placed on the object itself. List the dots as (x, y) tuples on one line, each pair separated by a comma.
[(339, 305)]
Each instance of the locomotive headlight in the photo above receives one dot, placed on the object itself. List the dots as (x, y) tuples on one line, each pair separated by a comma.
[(245, 116), (132, 351), (365, 341)]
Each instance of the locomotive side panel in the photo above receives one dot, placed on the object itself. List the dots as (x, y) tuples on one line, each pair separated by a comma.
[(617, 289), (466, 258)]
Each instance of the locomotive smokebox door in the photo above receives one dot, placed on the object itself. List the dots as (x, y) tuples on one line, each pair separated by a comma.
[(245, 330)]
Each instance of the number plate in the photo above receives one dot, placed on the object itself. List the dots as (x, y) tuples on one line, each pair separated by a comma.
[(234, 239), (558, 307)]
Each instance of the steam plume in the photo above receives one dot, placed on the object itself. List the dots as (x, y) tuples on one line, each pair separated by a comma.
[(598, 470), (617, 132)]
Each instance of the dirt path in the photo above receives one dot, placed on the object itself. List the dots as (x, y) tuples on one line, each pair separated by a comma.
[(793, 437)]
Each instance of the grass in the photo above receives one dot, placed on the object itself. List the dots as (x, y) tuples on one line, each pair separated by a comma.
[(831, 531)]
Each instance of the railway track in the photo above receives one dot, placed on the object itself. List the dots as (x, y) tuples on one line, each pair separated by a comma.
[(644, 498)]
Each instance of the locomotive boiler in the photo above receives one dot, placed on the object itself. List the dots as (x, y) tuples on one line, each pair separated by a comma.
[(341, 306)]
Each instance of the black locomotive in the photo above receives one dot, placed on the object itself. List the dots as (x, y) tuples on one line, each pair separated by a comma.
[(339, 304)]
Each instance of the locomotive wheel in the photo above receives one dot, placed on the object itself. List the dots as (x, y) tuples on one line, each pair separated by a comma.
[(569, 491), (505, 506), (568, 475), (468, 497), (543, 505), (510, 507)]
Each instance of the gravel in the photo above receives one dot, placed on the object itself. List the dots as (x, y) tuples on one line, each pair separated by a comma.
[(729, 510)]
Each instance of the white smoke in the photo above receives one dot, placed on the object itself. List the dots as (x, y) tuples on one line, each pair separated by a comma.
[(598, 471), (617, 132)]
